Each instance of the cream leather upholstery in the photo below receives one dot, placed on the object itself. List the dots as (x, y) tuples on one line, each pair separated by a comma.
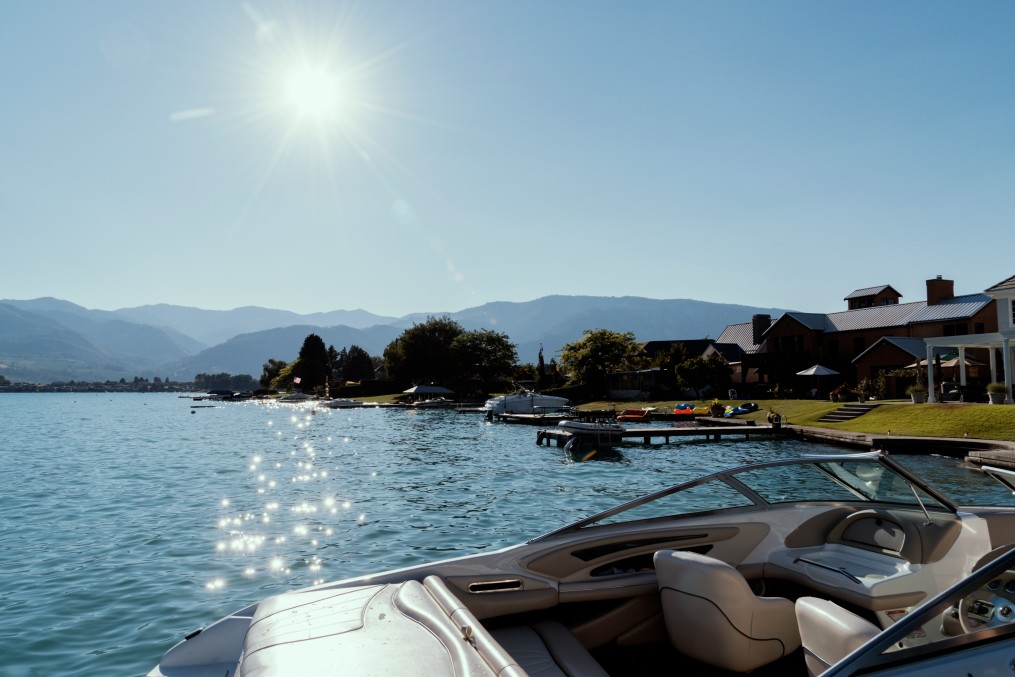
[(829, 633), (712, 615), (548, 649), (543, 649)]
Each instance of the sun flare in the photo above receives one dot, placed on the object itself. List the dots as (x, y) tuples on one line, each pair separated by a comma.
[(314, 91)]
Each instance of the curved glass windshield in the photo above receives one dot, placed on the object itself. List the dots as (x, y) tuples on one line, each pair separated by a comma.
[(861, 478)]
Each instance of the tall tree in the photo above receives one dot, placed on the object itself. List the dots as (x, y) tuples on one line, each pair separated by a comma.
[(336, 362), (484, 354), (358, 365), (422, 353), (700, 373), (587, 361), (312, 366), (540, 370), (270, 371)]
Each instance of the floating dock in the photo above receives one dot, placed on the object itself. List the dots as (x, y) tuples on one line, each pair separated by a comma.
[(661, 435)]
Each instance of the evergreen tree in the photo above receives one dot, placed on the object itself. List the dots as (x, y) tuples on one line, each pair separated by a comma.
[(312, 367)]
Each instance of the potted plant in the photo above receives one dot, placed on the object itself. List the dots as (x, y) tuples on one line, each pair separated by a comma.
[(997, 392), (863, 390), (918, 392)]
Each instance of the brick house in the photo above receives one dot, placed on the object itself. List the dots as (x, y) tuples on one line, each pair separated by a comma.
[(877, 333)]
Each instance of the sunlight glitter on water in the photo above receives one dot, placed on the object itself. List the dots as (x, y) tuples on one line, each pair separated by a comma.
[(206, 522)]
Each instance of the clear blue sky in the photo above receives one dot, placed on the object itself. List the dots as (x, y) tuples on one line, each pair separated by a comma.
[(432, 155)]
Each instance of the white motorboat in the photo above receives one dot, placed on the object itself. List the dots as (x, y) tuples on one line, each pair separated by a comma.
[(341, 403), (433, 403), (847, 563), (604, 430), (295, 397), (526, 402)]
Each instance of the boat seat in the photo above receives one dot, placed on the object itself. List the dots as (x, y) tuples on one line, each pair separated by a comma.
[(542, 649), (713, 616), (829, 633), (548, 648)]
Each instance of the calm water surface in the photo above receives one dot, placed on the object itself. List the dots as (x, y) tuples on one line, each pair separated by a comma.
[(126, 521)]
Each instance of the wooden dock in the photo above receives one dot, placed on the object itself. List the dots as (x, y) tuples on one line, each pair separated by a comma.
[(532, 419), (661, 435)]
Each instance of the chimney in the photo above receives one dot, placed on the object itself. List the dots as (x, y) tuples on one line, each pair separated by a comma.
[(939, 290), (759, 324)]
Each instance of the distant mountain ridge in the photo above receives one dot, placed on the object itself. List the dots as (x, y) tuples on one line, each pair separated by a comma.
[(49, 339), (212, 327)]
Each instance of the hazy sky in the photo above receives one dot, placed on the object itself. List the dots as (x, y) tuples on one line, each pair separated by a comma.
[(432, 155)]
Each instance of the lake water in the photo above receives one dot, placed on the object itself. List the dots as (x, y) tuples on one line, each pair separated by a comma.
[(127, 521)]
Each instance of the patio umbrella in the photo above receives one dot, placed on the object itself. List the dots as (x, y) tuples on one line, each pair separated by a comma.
[(428, 390), (817, 370), (954, 362)]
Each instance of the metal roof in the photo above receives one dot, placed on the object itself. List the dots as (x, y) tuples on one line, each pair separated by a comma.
[(870, 291), (741, 334), (956, 308), (916, 347), (875, 317), (892, 315), (731, 351), (813, 321)]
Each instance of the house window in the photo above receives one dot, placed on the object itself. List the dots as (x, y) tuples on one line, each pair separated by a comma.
[(960, 329), (858, 345), (833, 347), (978, 328), (1011, 304)]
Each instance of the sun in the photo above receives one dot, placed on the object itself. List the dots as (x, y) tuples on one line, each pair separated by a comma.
[(313, 91)]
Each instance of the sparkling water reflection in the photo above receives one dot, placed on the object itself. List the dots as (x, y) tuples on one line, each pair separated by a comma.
[(126, 521)]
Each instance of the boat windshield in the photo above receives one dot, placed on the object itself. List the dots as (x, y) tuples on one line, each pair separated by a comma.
[(862, 478)]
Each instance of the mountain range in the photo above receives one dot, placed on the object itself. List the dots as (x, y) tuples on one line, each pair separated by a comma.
[(47, 339)]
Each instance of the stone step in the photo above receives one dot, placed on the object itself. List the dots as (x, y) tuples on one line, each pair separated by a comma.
[(847, 412)]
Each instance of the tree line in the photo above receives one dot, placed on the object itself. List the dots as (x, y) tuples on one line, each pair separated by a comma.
[(441, 351)]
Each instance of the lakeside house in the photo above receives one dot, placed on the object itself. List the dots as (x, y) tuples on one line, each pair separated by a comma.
[(878, 334), (960, 343)]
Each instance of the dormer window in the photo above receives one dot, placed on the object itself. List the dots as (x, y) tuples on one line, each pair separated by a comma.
[(869, 297)]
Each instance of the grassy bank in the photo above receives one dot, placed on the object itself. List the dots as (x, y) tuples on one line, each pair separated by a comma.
[(980, 421)]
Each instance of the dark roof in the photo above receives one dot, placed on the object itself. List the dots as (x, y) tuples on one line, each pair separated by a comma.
[(916, 347), (741, 334), (731, 351), (893, 315), (693, 346), (813, 321), (870, 291)]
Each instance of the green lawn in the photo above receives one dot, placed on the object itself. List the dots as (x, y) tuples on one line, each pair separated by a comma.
[(981, 421)]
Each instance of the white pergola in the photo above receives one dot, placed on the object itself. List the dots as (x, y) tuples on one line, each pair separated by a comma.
[(1003, 340)]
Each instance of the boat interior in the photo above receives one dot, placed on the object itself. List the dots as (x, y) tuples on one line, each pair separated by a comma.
[(781, 568)]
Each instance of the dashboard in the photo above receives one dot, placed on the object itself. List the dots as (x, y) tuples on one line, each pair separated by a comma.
[(994, 603)]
